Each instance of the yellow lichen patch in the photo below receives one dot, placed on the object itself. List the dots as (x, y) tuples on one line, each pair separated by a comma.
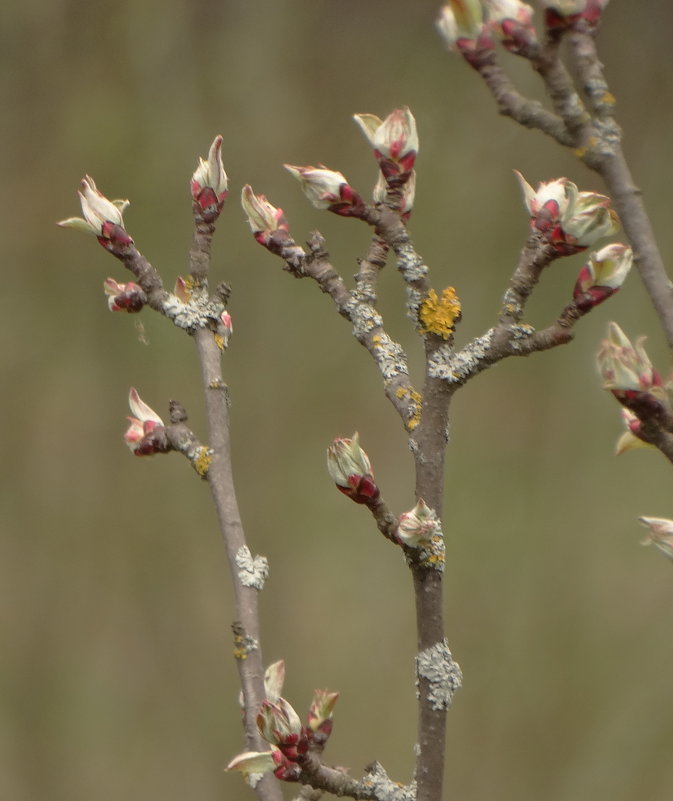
[(242, 646), (440, 315), (433, 554), (415, 402), (580, 152), (219, 341), (202, 461), (608, 98)]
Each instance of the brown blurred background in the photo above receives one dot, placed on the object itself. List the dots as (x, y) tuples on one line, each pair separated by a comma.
[(117, 680)]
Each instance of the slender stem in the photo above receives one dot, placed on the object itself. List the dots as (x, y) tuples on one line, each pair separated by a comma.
[(430, 441), (630, 206), (607, 158), (220, 478)]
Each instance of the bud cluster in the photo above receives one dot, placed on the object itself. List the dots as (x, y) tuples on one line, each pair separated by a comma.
[(569, 220), (280, 725), (628, 374)]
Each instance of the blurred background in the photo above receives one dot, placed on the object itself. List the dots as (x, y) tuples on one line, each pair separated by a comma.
[(116, 674)]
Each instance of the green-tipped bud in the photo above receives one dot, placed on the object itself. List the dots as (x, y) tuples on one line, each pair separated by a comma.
[(102, 217), (319, 717), (280, 725), (602, 275), (351, 470), (264, 219), (625, 366)]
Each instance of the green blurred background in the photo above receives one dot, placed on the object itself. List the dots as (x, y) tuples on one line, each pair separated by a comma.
[(117, 678)]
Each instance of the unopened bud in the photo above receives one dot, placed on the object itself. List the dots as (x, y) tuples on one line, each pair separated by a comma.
[(280, 725), (102, 217), (328, 189), (351, 470), (625, 366), (320, 714), (660, 534), (602, 275), (394, 141), (209, 183), (146, 432), (127, 297), (461, 26), (267, 223), (512, 22)]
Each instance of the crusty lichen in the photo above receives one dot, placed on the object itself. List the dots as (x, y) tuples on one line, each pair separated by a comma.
[(389, 356), (432, 552), (364, 318), (415, 402), (199, 312), (444, 676), (244, 644), (440, 315), (202, 460), (384, 788), (458, 367), (252, 572)]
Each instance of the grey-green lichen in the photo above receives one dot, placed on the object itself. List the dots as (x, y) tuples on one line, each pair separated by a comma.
[(414, 299), (444, 676), (384, 788), (197, 313), (431, 552), (518, 334), (389, 355), (456, 368), (252, 572), (410, 264), (244, 644), (364, 318)]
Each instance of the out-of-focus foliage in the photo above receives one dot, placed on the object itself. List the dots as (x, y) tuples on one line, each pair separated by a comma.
[(116, 667)]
